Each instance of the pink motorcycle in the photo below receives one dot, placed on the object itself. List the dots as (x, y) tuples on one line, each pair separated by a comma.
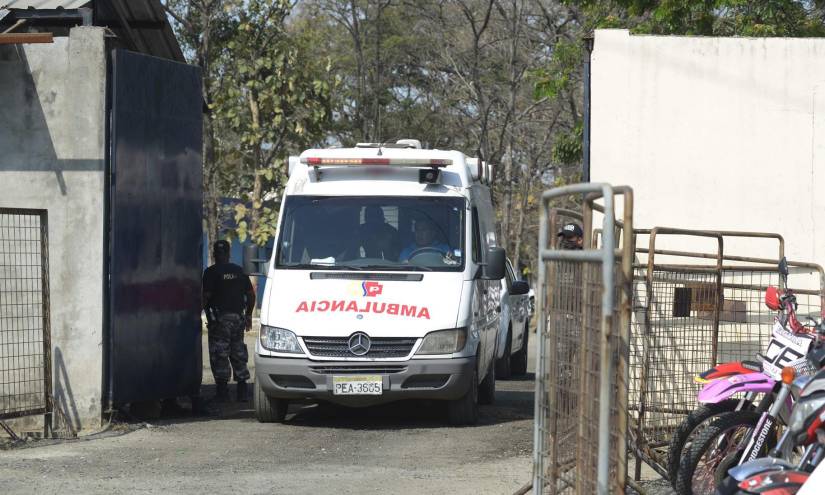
[(734, 386), (742, 427)]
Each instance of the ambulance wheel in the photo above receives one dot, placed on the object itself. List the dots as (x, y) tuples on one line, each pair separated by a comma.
[(268, 409), (518, 363), (503, 370), (464, 411), (487, 389)]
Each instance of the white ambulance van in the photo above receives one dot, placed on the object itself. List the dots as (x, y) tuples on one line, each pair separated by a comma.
[(384, 283)]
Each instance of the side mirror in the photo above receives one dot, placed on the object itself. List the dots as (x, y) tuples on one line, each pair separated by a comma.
[(494, 268), (519, 287)]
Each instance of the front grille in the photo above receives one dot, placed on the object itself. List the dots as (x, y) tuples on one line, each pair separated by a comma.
[(338, 347), (358, 369)]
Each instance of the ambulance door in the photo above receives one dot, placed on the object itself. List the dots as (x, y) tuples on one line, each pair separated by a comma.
[(489, 291)]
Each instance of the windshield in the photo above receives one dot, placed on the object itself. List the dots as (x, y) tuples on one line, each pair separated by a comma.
[(372, 232)]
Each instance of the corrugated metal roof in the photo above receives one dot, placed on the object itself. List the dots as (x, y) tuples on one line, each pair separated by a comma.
[(140, 25), (42, 4), (149, 30)]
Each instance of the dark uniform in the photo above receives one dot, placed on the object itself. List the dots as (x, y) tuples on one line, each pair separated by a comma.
[(565, 320), (227, 291)]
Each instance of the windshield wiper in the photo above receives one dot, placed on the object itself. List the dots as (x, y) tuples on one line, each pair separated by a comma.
[(322, 266), (298, 266), (345, 267)]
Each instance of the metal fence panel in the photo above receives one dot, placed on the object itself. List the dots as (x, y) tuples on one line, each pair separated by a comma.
[(25, 348), (581, 378), (691, 312)]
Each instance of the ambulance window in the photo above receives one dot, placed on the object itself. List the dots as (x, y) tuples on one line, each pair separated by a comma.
[(390, 215), (476, 237), (372, 232)]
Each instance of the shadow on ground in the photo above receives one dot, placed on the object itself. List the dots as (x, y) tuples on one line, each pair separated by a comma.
[(514, 402)]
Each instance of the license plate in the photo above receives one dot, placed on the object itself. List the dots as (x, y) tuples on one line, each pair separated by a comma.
[(357, 385)]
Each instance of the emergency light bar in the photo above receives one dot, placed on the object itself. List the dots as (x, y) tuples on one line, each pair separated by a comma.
[(392, 162)]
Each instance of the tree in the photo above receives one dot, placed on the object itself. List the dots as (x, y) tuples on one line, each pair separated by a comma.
[(797, 18), (274, 100)]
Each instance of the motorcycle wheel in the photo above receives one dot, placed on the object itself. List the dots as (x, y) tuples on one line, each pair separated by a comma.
[(686, 432), (711, 449)]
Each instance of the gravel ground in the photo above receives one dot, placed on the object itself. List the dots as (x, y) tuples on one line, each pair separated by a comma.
[(402, 448)]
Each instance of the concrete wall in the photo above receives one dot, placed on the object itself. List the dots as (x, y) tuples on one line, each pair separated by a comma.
[(716, 133), (52, 140)]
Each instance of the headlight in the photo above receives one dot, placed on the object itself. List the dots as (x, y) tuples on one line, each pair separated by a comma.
[(804, 411), (444, 341), (279, 340)]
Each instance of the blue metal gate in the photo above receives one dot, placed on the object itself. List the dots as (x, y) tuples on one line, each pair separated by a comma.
[(155, 214)]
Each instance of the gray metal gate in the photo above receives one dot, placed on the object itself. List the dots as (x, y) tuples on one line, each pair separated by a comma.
[(25, 347), (693, 310), (583, 328)]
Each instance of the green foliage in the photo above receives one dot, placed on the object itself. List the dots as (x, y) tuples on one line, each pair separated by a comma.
[(567, 149), (554, 79), (796, 18), (274, 99)]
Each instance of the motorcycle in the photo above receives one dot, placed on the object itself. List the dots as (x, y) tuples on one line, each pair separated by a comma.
[(724, 381), (775, 474)]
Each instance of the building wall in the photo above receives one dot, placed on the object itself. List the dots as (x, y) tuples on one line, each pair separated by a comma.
[(715, 133), (52, 140)]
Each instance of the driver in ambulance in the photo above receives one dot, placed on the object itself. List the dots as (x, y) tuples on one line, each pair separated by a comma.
[(425, 239)]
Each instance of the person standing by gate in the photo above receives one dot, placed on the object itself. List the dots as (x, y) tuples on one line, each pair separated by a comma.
[(228, 300), (571, 236)]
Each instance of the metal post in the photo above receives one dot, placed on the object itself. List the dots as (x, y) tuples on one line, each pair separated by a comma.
[(588, 49), (47, 328), (538, 441), (605, 380)]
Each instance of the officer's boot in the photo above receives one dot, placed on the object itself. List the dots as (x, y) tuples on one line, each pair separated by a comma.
[(221, 392), (243, 394)]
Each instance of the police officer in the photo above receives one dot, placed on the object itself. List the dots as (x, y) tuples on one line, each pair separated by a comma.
[(228, 300), (571, 236)]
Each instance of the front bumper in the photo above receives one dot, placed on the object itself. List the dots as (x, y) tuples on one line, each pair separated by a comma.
[(297, 378)]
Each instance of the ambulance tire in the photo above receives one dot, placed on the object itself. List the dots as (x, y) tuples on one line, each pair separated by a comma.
[(268, 409), (518, 364), (464, 411), (503, 370), (487, 389)]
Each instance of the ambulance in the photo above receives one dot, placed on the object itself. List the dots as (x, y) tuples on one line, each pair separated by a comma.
[(384, 283)]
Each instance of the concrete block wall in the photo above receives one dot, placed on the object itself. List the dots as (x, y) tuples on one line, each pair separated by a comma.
[(52, 152)]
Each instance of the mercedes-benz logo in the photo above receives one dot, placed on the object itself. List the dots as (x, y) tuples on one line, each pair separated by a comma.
[(359, 343)]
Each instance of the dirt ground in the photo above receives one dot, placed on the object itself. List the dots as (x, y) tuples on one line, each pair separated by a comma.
[(402, 448)]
